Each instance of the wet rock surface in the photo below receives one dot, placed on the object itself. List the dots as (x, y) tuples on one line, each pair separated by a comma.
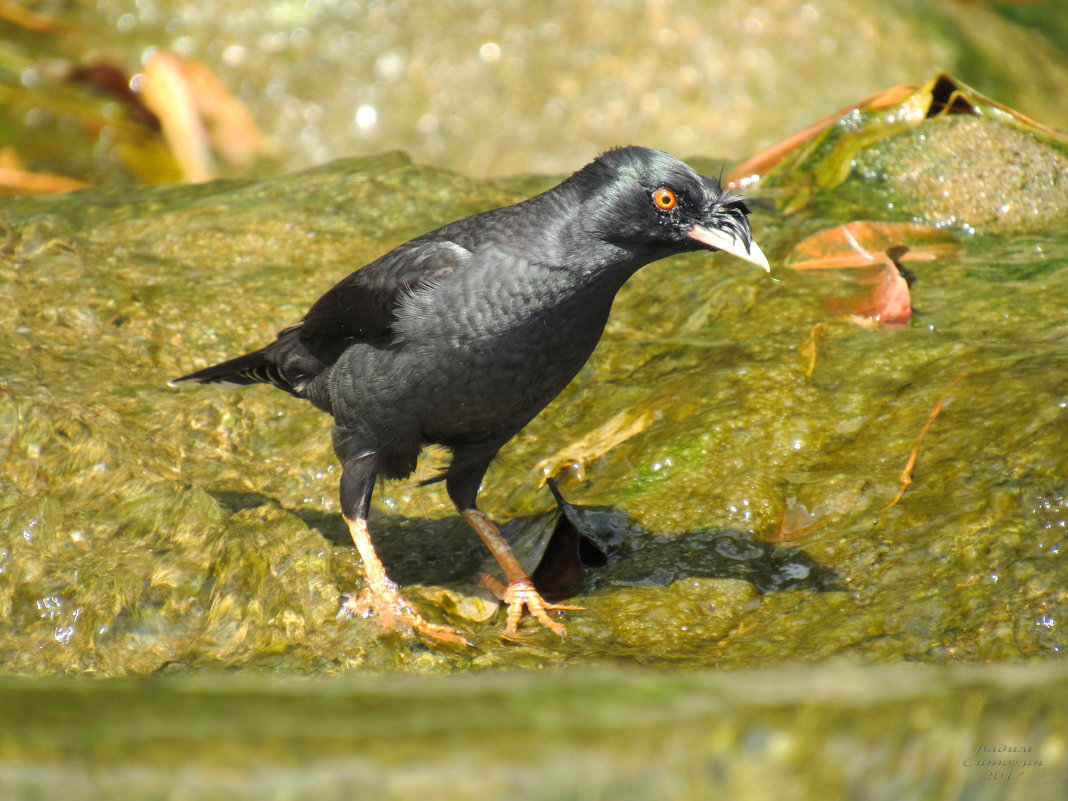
[(146, 526)]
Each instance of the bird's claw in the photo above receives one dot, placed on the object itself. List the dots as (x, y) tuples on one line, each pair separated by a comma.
[(521, 593), (395, 614)]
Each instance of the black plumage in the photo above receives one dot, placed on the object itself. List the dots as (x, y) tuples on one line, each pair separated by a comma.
[(461, 336)]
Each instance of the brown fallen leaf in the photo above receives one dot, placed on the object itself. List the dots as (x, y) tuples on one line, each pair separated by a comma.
[(868, 244), (18, 14), (890, 302), (864, 243), (198, 113), (21, 182), (233, 132), (809, 349), (169, 96), (905, 479), (15, 179)]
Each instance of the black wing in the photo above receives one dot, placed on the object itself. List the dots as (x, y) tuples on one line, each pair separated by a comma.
[(363, 305), (360, 307)]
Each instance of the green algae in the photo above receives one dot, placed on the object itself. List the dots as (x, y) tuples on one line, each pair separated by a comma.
[(147, 527), (1002, 179), (145, 530)]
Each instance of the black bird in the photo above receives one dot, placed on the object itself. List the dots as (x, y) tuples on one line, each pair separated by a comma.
[(462, 335)]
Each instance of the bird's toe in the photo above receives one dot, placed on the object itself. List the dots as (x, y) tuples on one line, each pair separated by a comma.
[(521, 594), (394, 613)]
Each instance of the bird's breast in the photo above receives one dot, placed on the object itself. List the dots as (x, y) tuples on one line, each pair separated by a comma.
[(493, 364), (511, 307)]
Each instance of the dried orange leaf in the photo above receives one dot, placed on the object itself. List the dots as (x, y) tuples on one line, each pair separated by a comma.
[(233, 132), (864, 244), (198, 112), (889, 303), (21, 182), (810, 348), (905, 479), (751, 170), (169, 95), (18, 14)]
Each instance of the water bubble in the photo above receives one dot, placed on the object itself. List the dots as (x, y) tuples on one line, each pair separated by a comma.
[(234, 55), (50, 606), (390, 66), (366, 117)]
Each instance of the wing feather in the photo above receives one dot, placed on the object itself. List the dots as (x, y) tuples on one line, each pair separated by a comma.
[(363, 305)]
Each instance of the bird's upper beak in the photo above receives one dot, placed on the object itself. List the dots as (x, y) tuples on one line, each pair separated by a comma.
[(729, 242)]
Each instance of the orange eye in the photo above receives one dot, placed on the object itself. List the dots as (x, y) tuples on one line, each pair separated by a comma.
[(665, 199)]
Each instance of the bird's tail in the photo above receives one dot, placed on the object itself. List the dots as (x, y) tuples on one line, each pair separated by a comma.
[(252, 368), (283, 364)]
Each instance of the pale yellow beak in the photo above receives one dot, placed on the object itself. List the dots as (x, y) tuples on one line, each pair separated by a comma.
[(728, 243)]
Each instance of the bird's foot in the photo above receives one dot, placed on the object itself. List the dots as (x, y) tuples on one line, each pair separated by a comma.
[(394, 613), (520, 593)]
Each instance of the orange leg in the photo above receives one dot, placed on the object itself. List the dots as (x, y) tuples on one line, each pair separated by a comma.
[(382, 597), (519, 591)]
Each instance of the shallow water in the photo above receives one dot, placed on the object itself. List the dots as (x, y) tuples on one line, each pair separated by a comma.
[(151, 531), (146, 526), (500, 87)]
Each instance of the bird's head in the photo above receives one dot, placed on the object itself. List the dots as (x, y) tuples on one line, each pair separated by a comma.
[(637, 196)]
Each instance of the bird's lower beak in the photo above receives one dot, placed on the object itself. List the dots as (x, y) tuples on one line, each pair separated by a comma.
[(729, 243)]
